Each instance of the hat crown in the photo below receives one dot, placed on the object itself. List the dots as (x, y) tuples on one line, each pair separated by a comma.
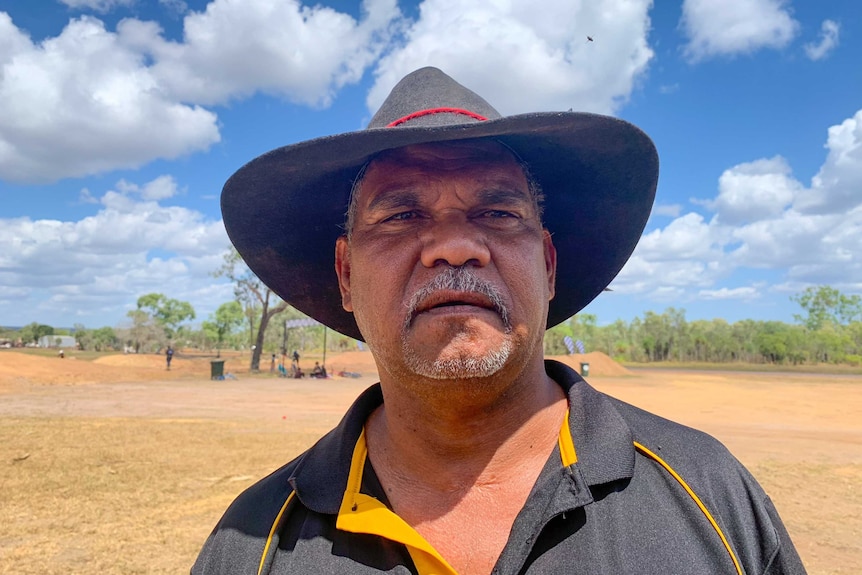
[(429, 98)]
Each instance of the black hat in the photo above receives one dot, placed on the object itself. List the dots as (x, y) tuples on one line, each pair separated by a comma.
[(285, 209)]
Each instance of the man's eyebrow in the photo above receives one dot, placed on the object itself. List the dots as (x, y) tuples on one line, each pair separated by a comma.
[(395, 198), (504, 195)]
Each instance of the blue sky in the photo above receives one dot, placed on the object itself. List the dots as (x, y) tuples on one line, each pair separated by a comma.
[(121, 120)]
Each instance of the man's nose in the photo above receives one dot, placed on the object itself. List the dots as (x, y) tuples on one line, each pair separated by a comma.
[(453, 241)]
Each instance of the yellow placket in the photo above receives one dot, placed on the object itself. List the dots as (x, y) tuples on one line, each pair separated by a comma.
[(360, 513)]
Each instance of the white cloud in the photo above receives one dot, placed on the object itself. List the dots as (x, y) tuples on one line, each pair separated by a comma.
[(747, 293), (82, 103), (174, 6), (161, 188), (96, 5), (828, 41), (233, 49), (763, 219), (755, 190), (525, 55), (672, 210), (92, 100), (731, 27), (687, 237), (103, 262), (836, 187)]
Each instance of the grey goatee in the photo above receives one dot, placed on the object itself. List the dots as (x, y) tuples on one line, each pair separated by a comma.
[(463, 280)]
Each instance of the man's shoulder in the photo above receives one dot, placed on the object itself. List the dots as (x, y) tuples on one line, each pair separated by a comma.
[(655, 431), (261, 501), (239, 538), (695, 459)]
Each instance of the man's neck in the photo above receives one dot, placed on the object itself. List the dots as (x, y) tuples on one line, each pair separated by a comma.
[(457, 434), (458, 465)]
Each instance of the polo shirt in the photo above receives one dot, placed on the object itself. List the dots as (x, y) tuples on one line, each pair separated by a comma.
[(624, 491)]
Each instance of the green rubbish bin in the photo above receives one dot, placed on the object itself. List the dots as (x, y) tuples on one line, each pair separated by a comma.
[(217, 369), (585, 369)]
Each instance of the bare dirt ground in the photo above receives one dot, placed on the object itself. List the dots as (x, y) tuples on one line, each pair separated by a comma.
[(119, 466)]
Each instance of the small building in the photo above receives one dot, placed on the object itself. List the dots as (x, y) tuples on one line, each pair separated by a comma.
[(61, 341)]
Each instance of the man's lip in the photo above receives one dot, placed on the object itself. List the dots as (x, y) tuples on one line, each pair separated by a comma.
[(448, 298)]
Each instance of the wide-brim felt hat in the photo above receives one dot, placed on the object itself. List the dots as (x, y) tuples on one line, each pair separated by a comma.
[(285, 209)]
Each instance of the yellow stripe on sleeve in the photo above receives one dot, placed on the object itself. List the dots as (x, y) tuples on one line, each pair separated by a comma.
[(696, 499), (272, 531)]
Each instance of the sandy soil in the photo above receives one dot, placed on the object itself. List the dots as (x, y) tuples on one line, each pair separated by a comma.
[(801, 435)]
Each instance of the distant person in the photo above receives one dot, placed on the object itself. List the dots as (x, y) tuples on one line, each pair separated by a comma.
[(317, 371), (295, 357), (62, 354), (169, 355), (458, 236), (272, 364)]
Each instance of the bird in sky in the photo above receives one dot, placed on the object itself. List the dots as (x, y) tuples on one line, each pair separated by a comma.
[(589, 38)]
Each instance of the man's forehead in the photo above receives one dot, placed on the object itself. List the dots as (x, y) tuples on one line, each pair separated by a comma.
[(441, 153), (485, 160)]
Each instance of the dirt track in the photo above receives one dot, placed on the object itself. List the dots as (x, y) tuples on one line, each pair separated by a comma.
[(800, 435)]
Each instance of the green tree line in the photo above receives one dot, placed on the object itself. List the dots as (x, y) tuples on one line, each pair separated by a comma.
[(829, 330)]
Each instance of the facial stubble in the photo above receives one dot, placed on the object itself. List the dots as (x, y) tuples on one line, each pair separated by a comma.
[(465, 366)]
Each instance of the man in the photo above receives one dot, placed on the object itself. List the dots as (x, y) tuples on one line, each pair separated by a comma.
[(169, 355), (467, 235)]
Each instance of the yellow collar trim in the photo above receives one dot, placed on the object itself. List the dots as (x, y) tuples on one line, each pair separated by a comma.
[(361, 513), (567, 444)]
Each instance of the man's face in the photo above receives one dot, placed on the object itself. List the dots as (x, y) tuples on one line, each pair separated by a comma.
[(447, 269)]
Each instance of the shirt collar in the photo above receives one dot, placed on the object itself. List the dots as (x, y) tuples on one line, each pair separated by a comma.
[(601, 437)]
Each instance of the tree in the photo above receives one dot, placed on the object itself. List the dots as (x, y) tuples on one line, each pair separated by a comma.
[(104, 338), (223, 321), (258, 301), (825, 304), (143, 332), (168, 313), (33, 332)]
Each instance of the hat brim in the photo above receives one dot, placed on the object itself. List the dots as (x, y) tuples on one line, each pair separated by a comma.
[(285, 209)]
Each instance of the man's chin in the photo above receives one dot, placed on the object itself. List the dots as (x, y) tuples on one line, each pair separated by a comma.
[(451, 366)]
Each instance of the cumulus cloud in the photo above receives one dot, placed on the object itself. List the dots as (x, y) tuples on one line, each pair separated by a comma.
[(233, 49), (92, 100), (763, 218), (827, 41), (731, 27), (522, 57), (161, 188), (754, 191), (130, 246), (835, 188), (83, 102), (686, 253)]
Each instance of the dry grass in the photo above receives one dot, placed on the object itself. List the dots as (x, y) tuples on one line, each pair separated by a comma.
[(121, 496), (108, 477)]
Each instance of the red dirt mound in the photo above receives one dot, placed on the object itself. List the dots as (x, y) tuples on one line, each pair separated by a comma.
[(25, 368), (600, 363)]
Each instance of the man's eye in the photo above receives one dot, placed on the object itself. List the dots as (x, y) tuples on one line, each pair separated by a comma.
[(498, 214), (402, 216)]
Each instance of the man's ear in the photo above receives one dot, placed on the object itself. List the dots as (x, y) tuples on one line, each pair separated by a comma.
[(550, 262), (342, 270)]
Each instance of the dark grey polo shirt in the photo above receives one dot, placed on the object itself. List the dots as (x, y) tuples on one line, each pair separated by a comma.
[(638, 494)]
